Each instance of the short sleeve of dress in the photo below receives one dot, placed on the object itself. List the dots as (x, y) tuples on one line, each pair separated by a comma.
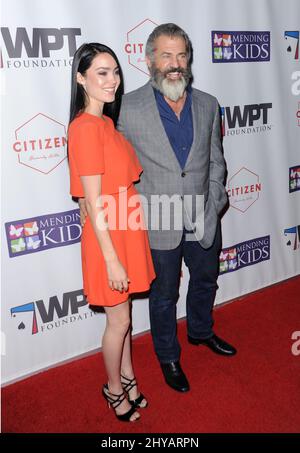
[(86, 143)]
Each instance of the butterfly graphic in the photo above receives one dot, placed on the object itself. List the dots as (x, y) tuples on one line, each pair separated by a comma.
[(227, 53), (231, 253), (228, 254), (218, 39), (17, 245), (293, 184), (218, 54), (295, 173), (15, 231), (31, 228), (232, 264), (223, 266), (32, 243), (223, 256), (227, 40)]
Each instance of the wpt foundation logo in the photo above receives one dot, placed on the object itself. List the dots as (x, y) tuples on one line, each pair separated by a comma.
[(294, 178), (42, 233), (292, 38), (136, 42), (42, 316), (246, 119), (244, 254), (240, 46), (293, 235), (38, 47), (243, 189), (40, 143)]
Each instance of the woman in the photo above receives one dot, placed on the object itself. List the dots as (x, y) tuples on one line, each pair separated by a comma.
[(116, 261)]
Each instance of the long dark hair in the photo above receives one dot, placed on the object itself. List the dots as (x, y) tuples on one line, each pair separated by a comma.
[(82, 60)]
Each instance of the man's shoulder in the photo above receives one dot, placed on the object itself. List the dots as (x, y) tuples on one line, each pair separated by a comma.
[(136, 95), (203, 97)]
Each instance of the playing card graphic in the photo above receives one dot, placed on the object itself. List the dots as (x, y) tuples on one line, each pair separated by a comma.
[(223, 120), (25, 317), (293, 237), (292, 39)]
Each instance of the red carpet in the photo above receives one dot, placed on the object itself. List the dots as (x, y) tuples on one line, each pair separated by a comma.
[(255, 391)]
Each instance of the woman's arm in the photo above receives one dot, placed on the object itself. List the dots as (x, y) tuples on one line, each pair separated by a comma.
[(117, 276), (83, 211)]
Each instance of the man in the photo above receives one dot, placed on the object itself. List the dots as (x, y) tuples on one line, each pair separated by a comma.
[(175, 130)]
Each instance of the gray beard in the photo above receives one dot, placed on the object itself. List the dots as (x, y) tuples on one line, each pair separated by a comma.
[(171, 89), (174, 89)]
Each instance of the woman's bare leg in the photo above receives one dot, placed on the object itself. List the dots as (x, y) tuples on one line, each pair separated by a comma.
[(116, 330), (127, 366)]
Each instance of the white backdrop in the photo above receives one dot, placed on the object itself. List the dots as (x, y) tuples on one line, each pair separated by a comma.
[(255, 74)]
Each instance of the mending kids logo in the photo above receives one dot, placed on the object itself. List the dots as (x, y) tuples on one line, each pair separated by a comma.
[(240, 46), (43, 232), (244, 254)]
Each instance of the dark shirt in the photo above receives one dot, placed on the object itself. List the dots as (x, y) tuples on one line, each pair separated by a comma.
[(179, 131)]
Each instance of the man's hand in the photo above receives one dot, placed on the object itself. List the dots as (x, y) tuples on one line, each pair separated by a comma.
[(83, 211)]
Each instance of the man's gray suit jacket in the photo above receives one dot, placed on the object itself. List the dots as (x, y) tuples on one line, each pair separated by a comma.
[(203, 174)]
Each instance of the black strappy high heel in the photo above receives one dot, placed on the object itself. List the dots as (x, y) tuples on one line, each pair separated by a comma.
[(128, 384), (114, 401)]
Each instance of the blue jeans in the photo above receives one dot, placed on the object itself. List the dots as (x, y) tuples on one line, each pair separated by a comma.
[(203, 265)]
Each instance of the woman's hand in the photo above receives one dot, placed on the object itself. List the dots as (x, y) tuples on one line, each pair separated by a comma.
[(117, 276)]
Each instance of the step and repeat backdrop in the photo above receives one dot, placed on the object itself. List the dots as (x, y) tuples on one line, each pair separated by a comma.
[(246, 53)]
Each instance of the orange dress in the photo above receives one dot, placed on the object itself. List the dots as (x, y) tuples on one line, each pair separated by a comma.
[(97, 148)]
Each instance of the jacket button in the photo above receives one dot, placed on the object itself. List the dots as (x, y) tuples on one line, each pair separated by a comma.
[(183, 174)]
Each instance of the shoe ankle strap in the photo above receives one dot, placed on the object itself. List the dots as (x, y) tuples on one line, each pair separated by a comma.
[(114, 399), (130, 384)]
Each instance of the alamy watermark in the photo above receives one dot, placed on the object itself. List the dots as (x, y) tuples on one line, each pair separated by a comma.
[(295, 348), (153, 212)]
